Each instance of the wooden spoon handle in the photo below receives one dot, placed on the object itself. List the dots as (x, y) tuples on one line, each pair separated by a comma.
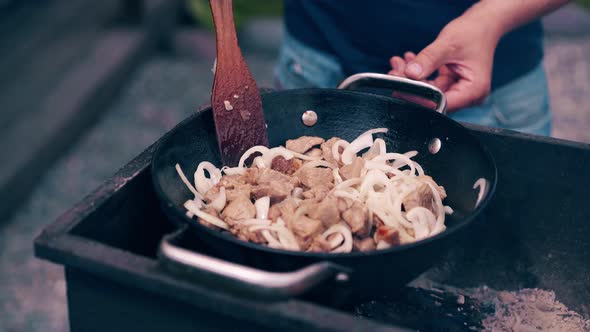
[(236, 103)]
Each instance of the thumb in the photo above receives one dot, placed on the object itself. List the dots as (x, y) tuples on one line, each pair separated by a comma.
[(427, 61)]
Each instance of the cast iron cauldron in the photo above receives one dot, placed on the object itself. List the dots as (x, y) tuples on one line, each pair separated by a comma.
[(447, 151)]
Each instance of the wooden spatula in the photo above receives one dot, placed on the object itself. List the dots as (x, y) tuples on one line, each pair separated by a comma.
[(237, 107)]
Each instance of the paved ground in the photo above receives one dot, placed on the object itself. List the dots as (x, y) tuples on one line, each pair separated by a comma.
[(164, 91)]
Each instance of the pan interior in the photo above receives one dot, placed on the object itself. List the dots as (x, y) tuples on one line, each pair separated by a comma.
[(459, 163)]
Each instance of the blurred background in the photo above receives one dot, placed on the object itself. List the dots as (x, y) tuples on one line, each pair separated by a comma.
[(87, 85)]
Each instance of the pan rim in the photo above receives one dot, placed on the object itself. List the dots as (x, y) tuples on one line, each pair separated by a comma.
[(175, 212)]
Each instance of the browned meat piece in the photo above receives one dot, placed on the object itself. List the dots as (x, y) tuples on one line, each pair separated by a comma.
[(303, 143), (235, 186), (238, 209), (277, 191), (366, 244), (243, 233), (267, 175), (305, 230), (285, 209), (274, 213), (250, 175), (315, 153), (315, 176), (440, 189), (274, 184), (326, 211), (344, 203), (243, 190), (319, 244), (280, 164), (318, 193), (327, 149), (356, 218), (387, 234), (421, 196), (352, 170)]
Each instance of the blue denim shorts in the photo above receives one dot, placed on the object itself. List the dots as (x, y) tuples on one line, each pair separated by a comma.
[(521, 105)]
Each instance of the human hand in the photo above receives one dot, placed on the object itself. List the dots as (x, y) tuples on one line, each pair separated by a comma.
[(462, 57)]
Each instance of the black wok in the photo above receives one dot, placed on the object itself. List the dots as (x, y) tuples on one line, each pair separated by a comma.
[(447, 151)]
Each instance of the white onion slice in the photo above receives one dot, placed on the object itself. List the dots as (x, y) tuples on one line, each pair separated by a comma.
[(187, 182), (346, 245), (190, 205), (481, 184), (336, 148), (262, 206), (204, 183), (350, 152), (258, 148), (233, 170)]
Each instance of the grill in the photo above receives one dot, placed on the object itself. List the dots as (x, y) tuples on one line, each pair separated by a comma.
[(108, 244)]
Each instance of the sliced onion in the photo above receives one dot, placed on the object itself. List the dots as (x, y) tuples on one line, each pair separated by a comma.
[(336, 148), (204, 183), (259, 162), (233, 170), (336, 176), (262, 206), (275, 152), (190, 205), (187, 182), (481, 184), (297, 192), (342, 229), (350, 152), (258, 148), (319, 163), (448, 209)]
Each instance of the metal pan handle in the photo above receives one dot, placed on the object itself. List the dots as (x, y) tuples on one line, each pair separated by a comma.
[(235, 278), (382, 81)]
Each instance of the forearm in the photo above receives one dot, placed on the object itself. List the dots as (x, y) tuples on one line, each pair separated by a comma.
[(503, 16)]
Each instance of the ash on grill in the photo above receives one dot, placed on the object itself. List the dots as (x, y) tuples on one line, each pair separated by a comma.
[(428, 306)]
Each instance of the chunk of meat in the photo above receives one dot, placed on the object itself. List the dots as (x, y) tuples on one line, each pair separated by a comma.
[(305, 230), (274, 184), (315, 176), (352, 170), (238, 209), (303, 143), (277, 191), (280, 164), (235, 186), (387, 234), (250, 175), (326, 211), (366, 244), (244, 233), (243, 190), (356, 218), (344, 203), (318, 193), (314, 153), (421, 196), (285, 209), (319, 244), (267, 175), (327, 149)]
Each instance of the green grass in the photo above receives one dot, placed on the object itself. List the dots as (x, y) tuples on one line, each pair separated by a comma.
[(243, 10)]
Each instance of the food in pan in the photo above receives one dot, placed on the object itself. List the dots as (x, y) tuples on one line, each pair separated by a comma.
[(320, 195)]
